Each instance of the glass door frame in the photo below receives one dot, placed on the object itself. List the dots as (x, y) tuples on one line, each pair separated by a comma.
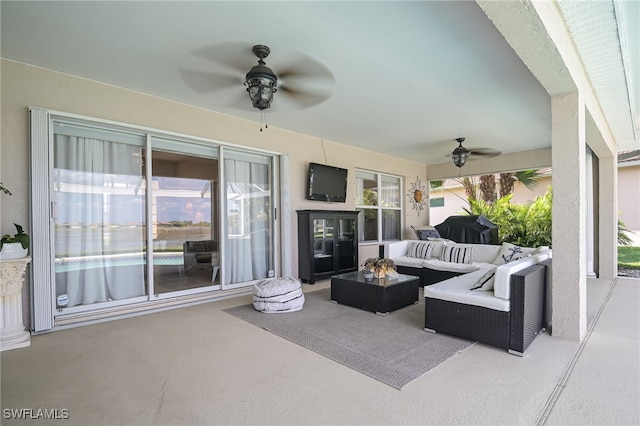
[(51, 212), (149, 217), (274, 165), (44, 315)]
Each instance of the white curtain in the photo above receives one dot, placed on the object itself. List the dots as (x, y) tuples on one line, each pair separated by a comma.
[(98, 220), (390, 225), (248, 233), (390, 197)]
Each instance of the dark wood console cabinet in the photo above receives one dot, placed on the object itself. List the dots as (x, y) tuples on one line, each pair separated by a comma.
[(327, 243)]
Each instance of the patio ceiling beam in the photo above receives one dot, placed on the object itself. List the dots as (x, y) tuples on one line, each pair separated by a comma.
[(537, 32)]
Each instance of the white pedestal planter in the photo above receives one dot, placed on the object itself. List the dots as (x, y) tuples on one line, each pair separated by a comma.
[(12, 251), (12, 332)]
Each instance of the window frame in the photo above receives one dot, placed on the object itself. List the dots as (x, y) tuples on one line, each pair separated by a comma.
[(380, 209)]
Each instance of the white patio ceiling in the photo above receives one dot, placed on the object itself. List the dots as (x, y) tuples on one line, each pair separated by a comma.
[(410, 77)]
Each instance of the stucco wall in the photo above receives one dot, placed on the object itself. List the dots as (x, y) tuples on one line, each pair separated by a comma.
[(25, 86), (629, 196)]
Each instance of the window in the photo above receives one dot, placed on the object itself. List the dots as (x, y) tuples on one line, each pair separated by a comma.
[(378, 197), (436, 202)]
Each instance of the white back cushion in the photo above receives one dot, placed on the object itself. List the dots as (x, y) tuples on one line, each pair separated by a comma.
[(396, 249), (502, 282), (437, 248)]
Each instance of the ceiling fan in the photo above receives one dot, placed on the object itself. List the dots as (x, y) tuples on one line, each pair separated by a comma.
[(299, 79), (460, 155)]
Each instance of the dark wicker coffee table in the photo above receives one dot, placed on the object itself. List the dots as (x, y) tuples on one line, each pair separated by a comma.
[(377, 295)]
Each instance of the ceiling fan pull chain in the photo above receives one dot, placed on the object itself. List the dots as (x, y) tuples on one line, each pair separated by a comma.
[(263, 119)]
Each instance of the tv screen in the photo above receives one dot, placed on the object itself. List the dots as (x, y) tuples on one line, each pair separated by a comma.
[(327, 183)]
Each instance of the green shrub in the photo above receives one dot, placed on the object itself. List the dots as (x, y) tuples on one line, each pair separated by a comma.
[(528, 225)]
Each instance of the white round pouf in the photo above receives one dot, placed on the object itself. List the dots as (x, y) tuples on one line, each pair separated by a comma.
[(278, 295)]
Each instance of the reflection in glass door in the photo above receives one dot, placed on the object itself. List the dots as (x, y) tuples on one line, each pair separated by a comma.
[(98, 216), (184, 216), (249, 221)]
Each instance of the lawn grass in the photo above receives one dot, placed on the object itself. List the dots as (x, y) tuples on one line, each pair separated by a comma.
[(629, 257)]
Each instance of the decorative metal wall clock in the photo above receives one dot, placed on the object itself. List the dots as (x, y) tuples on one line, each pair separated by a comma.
[(417, 196)]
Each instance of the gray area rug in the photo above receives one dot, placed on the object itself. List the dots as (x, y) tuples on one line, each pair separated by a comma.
[(394, 349)]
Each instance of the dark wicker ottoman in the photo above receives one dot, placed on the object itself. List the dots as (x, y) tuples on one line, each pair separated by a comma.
[(378, 295)]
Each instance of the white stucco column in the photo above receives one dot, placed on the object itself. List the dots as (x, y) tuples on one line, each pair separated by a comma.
[(608, 217), (569, 216)]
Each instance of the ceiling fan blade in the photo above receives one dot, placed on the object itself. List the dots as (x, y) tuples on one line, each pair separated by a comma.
[(301, 66), (322, 76), (484, 152), (237, 57), (301, 79), (207, 82), (305, 98)]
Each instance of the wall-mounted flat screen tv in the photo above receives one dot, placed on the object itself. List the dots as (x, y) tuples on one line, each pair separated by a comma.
[(327, 183)]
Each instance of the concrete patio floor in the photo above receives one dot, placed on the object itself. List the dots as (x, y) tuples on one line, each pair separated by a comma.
[(199, 365)]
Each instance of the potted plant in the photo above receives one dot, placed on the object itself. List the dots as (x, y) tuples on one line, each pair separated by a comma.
[(16, 246), (380, 266)]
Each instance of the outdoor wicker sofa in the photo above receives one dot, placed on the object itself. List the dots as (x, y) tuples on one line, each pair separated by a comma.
[(432, 267), (513, 329), (494, 294)]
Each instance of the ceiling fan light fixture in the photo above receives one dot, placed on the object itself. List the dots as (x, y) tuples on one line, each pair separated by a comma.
[(460, 154), (261, 81)]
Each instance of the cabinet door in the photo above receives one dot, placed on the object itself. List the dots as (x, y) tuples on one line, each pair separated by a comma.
[(323, 230), (346, 244)]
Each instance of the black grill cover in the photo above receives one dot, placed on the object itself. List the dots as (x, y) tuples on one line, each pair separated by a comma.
[(469, 229)]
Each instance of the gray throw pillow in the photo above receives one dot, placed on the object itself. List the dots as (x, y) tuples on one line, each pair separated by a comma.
[(485, 282)]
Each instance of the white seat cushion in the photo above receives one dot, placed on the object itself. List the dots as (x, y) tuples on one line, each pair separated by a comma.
[(413, 262), (458, 289), (441, 265)]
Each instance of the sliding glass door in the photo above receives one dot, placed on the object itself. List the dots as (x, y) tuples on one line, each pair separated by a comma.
[(184, 216), (98, 216), (249, 219), (137, 217)]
